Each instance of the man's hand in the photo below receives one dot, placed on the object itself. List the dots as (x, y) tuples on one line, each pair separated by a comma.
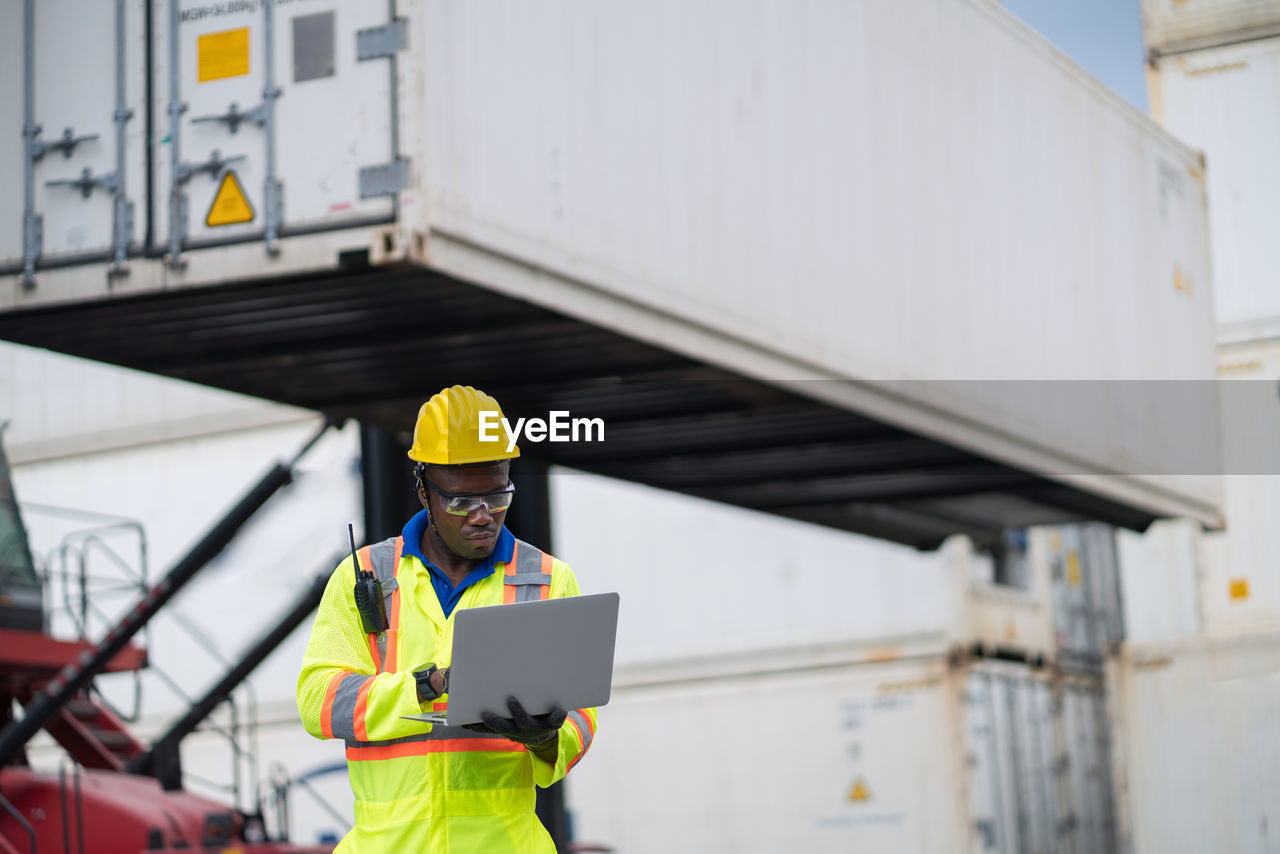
[(539, 733), (432, 683)]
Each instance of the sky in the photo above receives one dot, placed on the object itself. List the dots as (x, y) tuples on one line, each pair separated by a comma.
[(1103, 36)]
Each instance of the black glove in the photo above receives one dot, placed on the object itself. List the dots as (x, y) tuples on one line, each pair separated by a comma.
[(535, 732)]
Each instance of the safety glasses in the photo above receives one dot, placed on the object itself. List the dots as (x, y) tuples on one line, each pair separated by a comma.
[(464, 504)]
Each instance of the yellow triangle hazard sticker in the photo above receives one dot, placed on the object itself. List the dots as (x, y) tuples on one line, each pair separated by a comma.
[(230, 205), (860, 791)]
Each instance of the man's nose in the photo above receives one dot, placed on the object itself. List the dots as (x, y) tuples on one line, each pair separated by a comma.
[(480, 517)]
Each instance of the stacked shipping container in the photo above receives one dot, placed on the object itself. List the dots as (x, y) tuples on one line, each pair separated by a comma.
[(934, 755), (625, 182), (1195, 707), (807, 689)]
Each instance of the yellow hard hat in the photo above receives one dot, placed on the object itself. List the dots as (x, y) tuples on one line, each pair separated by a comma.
[(447, 432)]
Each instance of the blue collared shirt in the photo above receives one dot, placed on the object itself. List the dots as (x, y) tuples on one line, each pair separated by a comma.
[(449, 595)]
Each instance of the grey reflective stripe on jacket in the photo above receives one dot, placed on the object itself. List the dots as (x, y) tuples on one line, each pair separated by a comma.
[(584, 727), (382, 556), (342, 721), (528, 576)]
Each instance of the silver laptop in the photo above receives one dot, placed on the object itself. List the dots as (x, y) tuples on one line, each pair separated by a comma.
[(555, 652)]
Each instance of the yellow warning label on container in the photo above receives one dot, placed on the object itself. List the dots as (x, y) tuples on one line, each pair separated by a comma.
[(230, 205), (1073, 568), (223, 54), (1239, 588), (860, 791)]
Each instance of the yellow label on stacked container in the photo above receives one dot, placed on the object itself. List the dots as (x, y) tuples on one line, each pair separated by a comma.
[(222, 54), (1073, 568)]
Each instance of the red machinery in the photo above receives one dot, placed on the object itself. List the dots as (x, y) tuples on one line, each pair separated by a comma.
[(100, 809), (103, 803)]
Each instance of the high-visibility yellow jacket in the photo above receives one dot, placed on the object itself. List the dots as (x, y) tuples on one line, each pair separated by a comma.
[(419, 787)]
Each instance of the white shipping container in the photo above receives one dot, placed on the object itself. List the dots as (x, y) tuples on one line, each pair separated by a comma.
[(1241, 590), (1196, 727), (1180, 582), (1223, 101), (59, 406), (924, 755), (673, 171), (1171, 26)]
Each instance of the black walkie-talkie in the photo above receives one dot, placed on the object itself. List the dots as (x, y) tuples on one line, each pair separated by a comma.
[(373, 610)]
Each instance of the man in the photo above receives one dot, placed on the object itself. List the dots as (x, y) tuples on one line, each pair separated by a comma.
[(419, 787)]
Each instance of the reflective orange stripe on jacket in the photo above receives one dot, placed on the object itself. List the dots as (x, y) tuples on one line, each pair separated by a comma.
[(383, 645)]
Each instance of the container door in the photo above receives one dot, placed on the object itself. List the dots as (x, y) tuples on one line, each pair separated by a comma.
[(1102, 585), (1067, 569), (275, 117), (998, 802), (987, 787), (1036, 781), (1085, 768), (1085, 593), (72, 134)]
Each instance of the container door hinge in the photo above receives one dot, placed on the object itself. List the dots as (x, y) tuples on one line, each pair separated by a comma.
[(385, 180), (384, 41), (32, 246), (121, 235)]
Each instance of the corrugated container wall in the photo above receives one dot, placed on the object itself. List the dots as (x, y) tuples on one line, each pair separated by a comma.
[(924, 755), (73, 132), (1161, 574), (670, 170), (1225, 101), (1196, 727), (1172, 26)]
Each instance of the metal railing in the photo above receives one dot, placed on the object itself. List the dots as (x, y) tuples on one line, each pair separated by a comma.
[(17, 816), (89, 569), (282, 787)]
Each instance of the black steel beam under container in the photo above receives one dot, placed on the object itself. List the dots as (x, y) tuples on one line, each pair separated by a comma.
[(374, 344)]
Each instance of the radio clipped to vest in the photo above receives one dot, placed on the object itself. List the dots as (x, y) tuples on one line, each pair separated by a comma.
[(369, 601)]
